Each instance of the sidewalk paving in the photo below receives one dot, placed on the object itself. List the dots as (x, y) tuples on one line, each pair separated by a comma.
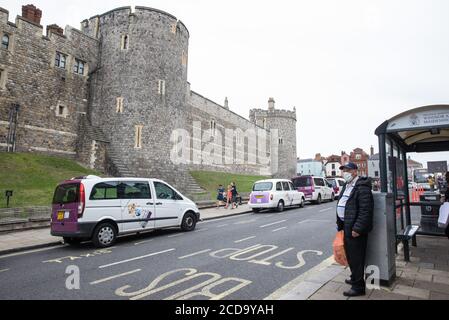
[(38, 238), (425, 277)]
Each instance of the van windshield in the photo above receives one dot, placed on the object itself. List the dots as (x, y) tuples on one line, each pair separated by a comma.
[(263, 186), (302, 182), (66, 193)]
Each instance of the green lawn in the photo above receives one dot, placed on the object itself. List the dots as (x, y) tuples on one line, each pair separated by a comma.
[(209, 181), (33, 177)]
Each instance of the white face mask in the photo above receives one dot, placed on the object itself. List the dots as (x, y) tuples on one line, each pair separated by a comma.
[(347, 176)]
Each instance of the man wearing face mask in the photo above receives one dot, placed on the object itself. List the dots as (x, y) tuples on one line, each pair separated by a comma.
[(355, 217)]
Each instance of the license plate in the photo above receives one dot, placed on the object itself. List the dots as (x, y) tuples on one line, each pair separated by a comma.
[(259, 197), (60, 215)]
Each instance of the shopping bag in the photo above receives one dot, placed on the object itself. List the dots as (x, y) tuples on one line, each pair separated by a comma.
[(339, 249), (443, 218)]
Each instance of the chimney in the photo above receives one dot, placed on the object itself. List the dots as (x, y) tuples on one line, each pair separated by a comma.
[(372, 151), (271, 104), (54, 28), (31, 13), (226, 103)]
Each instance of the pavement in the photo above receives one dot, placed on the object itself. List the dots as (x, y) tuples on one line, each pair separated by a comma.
[(425, 277), (40, 238)]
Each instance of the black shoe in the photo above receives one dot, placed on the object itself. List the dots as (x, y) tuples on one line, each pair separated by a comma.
[(349, 281), (354, 293)]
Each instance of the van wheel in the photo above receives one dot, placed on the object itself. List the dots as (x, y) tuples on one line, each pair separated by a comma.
[(72, 241), (318, 201), (256, 210), (188, 222), (105, 235), (280, 206), (303, 203), (333, 197)]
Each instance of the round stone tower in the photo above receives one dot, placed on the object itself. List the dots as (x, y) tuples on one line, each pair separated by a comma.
[(138, 92), (282, 127)]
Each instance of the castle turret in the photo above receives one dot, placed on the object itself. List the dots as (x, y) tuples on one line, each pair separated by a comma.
[(282, 127), (139, 90)]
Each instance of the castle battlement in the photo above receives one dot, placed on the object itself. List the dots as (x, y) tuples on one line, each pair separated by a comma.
[(278, 113), (53, 32), (92, 24)]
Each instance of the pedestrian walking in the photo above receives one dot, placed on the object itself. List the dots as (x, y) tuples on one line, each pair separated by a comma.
[(228, 196), (234, 195), (355, 217), (220, 195)]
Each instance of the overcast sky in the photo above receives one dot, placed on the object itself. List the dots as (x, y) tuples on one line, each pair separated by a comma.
[(345, 65)]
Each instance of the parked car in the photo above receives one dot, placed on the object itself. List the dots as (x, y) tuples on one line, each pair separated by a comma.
[(100, 209), (275, 194), (315, 189), (337, 185)]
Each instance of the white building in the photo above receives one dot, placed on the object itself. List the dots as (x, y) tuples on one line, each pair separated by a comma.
[(310, 167), (332, 166)]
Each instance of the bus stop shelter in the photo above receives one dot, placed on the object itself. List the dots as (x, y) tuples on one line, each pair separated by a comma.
[(424, 129), (397, 218)]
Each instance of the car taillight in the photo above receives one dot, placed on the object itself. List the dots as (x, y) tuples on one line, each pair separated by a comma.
[(312, 188), (271, 196), (337, 189), (82, 201)]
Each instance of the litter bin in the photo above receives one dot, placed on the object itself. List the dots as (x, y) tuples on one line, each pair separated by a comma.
[(430, 212)]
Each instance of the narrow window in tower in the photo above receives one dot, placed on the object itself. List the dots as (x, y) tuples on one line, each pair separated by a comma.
[(125, 42), (62, 111), (264, 123), (5, 41), (161, 87), (213, 126), (2, 79), (184, 58), (281, 141), (138, 138), (119, 105)]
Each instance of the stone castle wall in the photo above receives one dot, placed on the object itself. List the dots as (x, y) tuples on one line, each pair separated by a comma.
[(39, 87), (203, 110)]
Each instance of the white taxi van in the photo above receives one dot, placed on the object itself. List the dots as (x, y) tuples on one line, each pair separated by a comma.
[(100, 209), (275, 194)]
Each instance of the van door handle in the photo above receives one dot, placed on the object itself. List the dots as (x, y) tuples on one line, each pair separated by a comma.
[(150, 203), (159, 204)]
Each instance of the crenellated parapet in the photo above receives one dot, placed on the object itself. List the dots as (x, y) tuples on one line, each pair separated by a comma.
[(139, 15)]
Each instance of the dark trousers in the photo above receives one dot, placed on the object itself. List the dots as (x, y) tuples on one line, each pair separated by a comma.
[(355, 249)]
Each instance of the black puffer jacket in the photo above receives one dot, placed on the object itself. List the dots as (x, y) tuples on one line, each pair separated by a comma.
[(359, 209)]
